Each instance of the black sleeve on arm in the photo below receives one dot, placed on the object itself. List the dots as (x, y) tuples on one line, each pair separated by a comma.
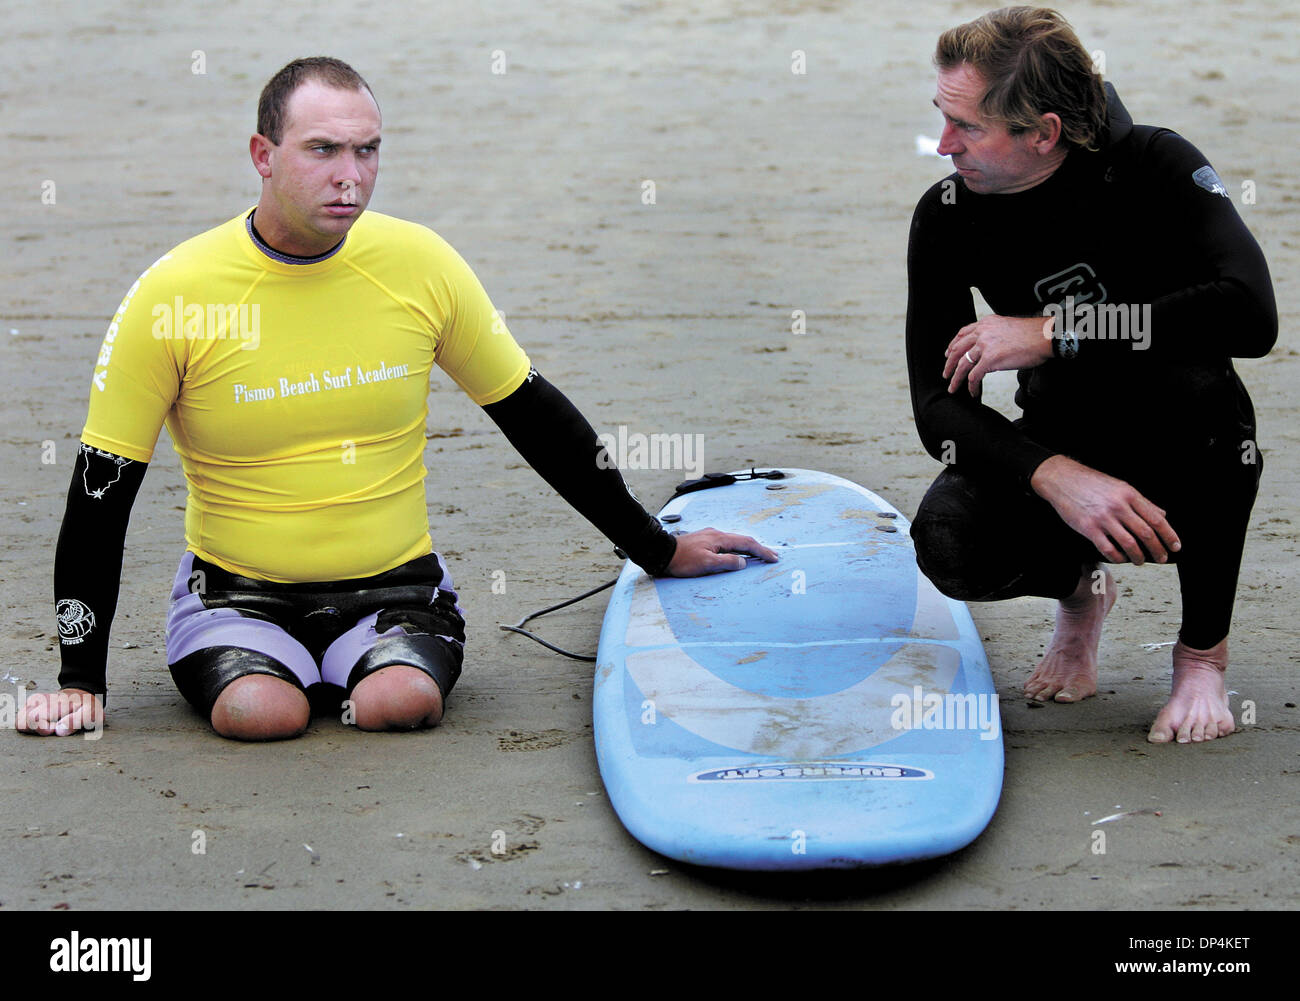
[(953, 427), (1220, 302), (1232, 310), (88, 562), (556, 440)]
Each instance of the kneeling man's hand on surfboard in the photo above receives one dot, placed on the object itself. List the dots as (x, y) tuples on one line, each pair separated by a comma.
[(64, 712), (710, 551)]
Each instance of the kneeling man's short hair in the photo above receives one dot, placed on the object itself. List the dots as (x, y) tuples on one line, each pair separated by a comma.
[(272, 105)]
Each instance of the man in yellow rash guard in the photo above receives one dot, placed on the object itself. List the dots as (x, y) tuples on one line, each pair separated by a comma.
[(289, 352), (301, 424)]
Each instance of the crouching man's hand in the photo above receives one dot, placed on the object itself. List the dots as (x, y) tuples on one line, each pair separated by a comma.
[(1109, 513)]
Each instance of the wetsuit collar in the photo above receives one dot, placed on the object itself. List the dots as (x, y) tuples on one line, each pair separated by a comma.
[(1119, 122), (283, 258)]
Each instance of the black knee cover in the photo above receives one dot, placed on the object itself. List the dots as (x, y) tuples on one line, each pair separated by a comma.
[(432, 639), (203, 675)]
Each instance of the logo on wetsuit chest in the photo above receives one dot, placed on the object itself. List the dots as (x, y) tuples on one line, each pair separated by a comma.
[(1078, 280), (1076, 300)]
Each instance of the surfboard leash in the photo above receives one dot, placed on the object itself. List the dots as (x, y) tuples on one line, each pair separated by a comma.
[(518, 626), (706, 482), (710, 480)]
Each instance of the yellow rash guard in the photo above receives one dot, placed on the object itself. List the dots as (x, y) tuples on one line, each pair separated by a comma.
[(295, 394)]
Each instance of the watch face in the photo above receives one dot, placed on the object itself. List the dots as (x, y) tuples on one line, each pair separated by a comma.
[(1068, 344)]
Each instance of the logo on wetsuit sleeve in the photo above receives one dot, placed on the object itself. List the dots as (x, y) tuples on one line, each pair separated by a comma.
[(76, 621), (103, 469), (1206, 178)]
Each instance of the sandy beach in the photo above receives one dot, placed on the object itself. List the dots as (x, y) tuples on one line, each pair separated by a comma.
[(774, 191)]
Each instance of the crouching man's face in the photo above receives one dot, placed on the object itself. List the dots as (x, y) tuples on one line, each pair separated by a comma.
[(989, 157)]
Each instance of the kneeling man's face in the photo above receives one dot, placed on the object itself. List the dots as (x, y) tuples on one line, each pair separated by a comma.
[(990, 159), (319, 179)]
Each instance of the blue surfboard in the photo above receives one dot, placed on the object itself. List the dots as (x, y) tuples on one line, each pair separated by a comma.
[(832, 710)]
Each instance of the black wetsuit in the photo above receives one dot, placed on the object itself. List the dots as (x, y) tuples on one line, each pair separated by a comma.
[(1141, 222)]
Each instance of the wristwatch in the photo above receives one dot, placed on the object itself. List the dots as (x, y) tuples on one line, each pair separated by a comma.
[(1065, 345)]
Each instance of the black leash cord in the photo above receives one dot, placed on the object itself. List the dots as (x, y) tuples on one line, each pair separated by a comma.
[(706, 482), (517, 627)]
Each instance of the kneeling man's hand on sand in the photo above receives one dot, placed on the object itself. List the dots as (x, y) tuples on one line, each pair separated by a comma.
[(60, 713)]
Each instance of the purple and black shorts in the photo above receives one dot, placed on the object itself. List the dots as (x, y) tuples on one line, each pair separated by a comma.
[(323, 637)]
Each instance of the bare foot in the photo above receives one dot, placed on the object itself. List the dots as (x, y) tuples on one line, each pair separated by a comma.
[(1068, 672), (1198, 705)]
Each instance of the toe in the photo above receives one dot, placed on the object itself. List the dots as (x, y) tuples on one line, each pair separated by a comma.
[(1162, 731)]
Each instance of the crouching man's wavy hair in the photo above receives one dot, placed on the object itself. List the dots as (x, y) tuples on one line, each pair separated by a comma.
[(1033, 63)]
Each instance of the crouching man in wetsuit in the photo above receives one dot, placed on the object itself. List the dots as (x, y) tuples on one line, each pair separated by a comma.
[(289, 352), (1123, 283)]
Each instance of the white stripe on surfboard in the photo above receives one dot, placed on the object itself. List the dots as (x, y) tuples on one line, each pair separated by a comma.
[(809, 728), (841, 722), (752, 644)]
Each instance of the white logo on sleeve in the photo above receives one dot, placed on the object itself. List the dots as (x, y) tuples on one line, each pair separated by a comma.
[(99, 466), (1206, 178), (76, 620)]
